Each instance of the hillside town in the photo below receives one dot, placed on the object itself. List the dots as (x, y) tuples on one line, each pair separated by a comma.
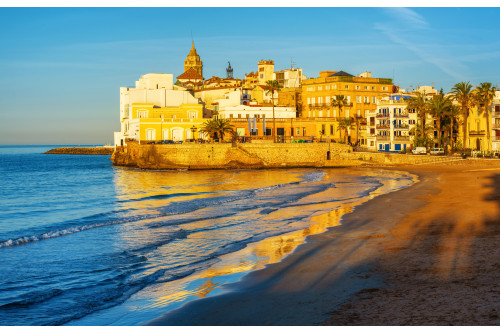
[(366, 112)]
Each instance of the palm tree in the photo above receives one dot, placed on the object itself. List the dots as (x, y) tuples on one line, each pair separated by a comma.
[(485, 93), (462, 92), (345, 124), (452, 114), (438, 107), (271, 87), (419, 103), (339, 101), (217, 126)]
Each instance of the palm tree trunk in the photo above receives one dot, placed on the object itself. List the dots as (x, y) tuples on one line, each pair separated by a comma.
[(464, 111), (488, 132), (422, 125), (439, 131), (451, 133), (274, 124)]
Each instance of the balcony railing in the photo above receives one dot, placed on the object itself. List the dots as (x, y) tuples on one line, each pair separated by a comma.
[(383, 126), (383, 137), (477, 133), (402, 126), (383, 116), (401, 115), (495, 138)]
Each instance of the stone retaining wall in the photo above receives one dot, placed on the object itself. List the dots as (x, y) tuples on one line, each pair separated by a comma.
[(252, 155)]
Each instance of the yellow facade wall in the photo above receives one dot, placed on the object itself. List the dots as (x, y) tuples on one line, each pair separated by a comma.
[(172, 123)]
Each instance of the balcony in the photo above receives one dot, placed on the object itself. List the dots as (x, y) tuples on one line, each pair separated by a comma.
[(402, 126), (495, 138), (383, 126), (382, 115), (477, 133), (385, 138), (403, 114), (401, 137), (496, 126)]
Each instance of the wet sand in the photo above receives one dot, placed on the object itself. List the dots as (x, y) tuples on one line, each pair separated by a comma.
[(424, 255)]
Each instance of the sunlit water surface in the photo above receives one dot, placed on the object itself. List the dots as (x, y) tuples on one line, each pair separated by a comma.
[(86, 243)]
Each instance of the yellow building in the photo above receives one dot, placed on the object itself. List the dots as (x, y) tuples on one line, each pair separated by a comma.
[(156, 109), (362, 93), (168, 123)]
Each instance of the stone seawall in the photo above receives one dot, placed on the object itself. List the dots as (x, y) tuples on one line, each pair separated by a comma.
[(268, 155), (82, 150)]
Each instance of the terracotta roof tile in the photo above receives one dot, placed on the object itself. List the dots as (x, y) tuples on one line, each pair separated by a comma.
[(190, 74)]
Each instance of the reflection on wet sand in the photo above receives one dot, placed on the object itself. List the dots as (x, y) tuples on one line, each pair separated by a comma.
[(318, 211)]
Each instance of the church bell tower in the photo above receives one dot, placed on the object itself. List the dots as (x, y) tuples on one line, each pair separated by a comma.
[(193, 61)]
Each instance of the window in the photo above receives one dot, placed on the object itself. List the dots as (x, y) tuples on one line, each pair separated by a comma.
[(374, 100), (303, 131), (297, 131), (358, 99), (334, 86), (313, 100), (346, 86), (320, 88), (331, 129), (323, 129), (373, 87), (150, 134), (308, 100), (367, 99), (384, 88), (239, 115), (262, 76), (357, 87), (347, 113), (358, 112), (320, 100), (348, 99), (366, 87), (230, 115)]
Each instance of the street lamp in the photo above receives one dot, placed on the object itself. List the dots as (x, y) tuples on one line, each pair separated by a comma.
[(193, 131)]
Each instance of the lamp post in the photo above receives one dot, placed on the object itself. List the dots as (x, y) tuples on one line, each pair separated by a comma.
[(193, 131)]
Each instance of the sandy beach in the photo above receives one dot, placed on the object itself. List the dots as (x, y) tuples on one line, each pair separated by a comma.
[(424, 255)]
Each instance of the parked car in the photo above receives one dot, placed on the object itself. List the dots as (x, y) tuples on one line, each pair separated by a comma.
[(419, 150), (437, 151)]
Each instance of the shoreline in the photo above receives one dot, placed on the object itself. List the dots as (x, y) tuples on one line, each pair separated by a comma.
[(336, 277)]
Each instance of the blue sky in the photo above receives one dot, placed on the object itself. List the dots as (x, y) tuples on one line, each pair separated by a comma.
[(62, 67)]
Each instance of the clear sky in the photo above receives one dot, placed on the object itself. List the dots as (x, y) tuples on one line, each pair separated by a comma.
[(61, 68)]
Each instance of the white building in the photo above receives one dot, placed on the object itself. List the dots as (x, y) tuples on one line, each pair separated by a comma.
[(232, 107), (152, 88), (290, 78), (495, 121), (393, 124)]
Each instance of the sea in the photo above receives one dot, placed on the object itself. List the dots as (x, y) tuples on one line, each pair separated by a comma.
[(83, 242)]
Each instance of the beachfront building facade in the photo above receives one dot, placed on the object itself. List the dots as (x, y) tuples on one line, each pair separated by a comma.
[(495, 123), (394, 124), (156, 109), (361, 92)]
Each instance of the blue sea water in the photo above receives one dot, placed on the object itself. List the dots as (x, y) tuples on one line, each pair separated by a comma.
[(85, 243)]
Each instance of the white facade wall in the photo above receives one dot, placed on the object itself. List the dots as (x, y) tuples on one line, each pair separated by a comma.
[(155, 88), (394, 108), (259, 112)]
